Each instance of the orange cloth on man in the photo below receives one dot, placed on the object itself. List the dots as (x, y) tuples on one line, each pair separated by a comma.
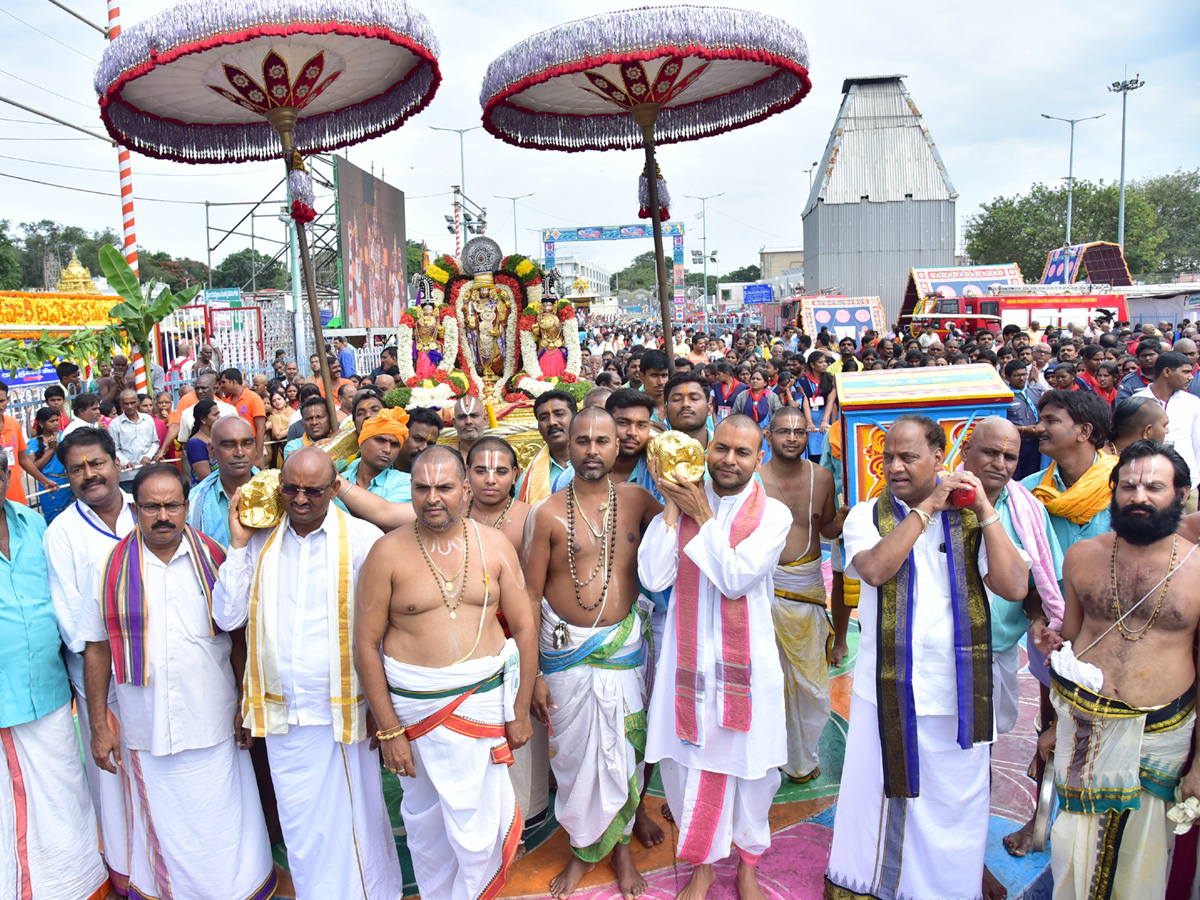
[(388, 421)]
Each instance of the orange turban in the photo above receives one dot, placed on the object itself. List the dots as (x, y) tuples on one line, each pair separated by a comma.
[(389, 421)]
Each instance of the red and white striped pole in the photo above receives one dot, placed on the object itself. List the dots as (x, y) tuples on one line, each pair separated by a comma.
[(141, 381)]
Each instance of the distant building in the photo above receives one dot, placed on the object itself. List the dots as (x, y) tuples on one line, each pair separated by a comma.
[(597, 276), (882, 202), (776, 261)]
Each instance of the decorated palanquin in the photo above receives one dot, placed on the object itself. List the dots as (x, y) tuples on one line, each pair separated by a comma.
[(486, 325), (954, 396)]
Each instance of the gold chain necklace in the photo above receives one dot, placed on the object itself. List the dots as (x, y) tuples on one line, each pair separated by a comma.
[(503, 515), (1136, 634), (446, 585)]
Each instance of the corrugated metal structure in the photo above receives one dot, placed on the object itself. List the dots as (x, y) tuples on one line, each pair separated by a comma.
[(883, 202)]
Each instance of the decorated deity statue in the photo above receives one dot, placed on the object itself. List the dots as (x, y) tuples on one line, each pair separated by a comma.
[(487, 314), (548, 333), (428, 341)]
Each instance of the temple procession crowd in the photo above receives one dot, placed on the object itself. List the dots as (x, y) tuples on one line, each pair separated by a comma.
[(237, 686)]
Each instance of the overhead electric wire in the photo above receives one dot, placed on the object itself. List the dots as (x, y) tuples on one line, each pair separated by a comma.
[(42, 162), (47, 34), (68, 187), (48, 91)]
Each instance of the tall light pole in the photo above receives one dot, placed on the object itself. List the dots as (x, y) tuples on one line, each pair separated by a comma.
[(1071, 166), (704, 239), (514, 203), (1123, 88), (462, 159), (809, 170)]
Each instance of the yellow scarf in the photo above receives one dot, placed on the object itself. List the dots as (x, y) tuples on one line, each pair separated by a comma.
[(1085, 498)]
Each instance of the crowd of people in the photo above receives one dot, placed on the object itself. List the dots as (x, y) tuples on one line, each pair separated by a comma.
[(238, 686)]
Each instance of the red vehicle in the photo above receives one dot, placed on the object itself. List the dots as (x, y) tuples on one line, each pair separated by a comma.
[(993, 312)]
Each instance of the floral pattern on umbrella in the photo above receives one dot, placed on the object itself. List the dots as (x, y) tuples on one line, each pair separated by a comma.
[(276, 88)]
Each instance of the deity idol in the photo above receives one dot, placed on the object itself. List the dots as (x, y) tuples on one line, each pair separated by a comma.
[(548, 333), (487, 313), (428, 338)]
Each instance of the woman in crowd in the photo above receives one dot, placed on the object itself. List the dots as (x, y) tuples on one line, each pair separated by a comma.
[(41, 451), (279, 417), (200, 443), (818, 387)]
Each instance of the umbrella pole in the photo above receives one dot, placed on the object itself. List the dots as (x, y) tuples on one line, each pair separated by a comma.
[(645, 115), (283, 120)]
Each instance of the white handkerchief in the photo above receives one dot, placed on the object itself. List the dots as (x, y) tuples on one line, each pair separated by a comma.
[(1065, 663)]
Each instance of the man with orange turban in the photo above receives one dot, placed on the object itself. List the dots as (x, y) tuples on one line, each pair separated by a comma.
[(379, 440)]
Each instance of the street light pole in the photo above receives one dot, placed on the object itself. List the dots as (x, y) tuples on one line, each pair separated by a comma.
[(462, 159), (1123, 88), (514, 203), (1071, 166), (809, 170), (704, 239)]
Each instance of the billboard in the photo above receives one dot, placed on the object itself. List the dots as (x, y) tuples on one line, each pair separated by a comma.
[(373, 248), (844, 316), (757, 293)]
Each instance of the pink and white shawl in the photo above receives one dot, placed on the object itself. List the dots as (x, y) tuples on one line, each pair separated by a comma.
[(1025, 510)]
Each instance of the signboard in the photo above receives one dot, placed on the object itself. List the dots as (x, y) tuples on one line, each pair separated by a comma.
[(29, 378), (678, 271), (844, 316), (610, 232), (227, 296), (1191, 301), (757, 293)]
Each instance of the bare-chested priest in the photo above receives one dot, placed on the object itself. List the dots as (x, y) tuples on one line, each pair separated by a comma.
[(581, 558), (802, 627), (492, 472), (1124, 685), (450, 693)]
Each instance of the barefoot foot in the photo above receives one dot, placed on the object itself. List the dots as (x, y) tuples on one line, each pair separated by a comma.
[(697, 887), (992, 888), (665, 810), (565, 882), (747, 883), (645, 829), (629, 879), (1019, 842)]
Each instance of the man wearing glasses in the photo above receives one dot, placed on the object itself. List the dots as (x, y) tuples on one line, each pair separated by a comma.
[(197, 829), (802, 627), (293, 588)]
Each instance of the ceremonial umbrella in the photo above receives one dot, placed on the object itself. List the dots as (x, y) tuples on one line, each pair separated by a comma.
[(217, 81), (641, 77)]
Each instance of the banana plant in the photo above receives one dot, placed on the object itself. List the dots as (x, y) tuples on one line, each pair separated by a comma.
[(140, 310)]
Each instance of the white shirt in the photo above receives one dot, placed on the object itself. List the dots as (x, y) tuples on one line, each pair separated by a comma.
[(749, 569), (187, 418), (302, 632), (1183, 426), (77, 423), (135, 440), (77, 544), (190, 699), (935, 685)]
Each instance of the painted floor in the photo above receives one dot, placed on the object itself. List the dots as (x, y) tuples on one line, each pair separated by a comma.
[(801, 822)]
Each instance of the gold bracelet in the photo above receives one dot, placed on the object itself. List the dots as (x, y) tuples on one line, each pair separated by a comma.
[(925, 517), (390, 735)]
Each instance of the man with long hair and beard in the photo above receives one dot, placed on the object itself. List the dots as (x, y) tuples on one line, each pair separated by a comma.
[(1124, 685)]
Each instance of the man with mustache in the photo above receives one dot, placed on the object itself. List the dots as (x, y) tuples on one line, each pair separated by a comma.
[(293, 589), (591, 692), (550, 467), (232, 447), (802, 627), (449, 692), (196, 828), (79, 541), (716, 721), (687, 404), (1124, 684), (470, 421)]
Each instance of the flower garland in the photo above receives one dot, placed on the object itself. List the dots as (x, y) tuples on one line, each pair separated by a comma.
[(571, 339), (529, 350), (404, 343), (449, 340), (456, 290), (49, 309)]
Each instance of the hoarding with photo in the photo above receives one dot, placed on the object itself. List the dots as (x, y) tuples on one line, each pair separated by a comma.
[(373, 248)]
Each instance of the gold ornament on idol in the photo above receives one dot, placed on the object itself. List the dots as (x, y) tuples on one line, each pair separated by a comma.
[(446, 585), (678, 453)]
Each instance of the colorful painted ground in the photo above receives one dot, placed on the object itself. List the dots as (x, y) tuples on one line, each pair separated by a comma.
[(801, 820)]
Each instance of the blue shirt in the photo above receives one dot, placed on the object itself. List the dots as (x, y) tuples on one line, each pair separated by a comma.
[(1065, 530), (208, 508), (346, 361), (33, 678), (390, 484)]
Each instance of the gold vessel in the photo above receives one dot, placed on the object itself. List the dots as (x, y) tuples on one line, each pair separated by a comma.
[(260, 506), (678, 453)]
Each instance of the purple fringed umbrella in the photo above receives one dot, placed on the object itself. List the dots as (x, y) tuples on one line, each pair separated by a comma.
[(641, 77), (217, 81)]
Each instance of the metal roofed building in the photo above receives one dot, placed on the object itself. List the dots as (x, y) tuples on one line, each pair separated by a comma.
[(882, 203)]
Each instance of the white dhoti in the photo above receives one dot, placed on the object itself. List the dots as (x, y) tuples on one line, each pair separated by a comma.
[(803, 633), (326, 789), (48, 847), (530, 774), (197, 826), (722, 812), (109, 791), (460, 811), (929, 847), (598, 730), (1006, 688)]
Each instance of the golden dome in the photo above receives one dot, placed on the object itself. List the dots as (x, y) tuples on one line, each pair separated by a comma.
[(76, 279)]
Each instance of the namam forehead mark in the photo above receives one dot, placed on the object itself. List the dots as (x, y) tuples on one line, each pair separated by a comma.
[(492, 461), (468, 403), (1143, 471)]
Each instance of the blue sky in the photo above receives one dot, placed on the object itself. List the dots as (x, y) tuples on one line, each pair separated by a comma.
[(980, 73)]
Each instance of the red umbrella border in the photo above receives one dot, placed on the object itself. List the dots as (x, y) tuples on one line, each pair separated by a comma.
[(135, 53)]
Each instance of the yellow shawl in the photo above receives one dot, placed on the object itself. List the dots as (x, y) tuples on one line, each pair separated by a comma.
[(1080, 502), (536, 485)]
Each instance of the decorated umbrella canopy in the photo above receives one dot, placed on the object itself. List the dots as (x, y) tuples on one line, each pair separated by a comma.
[(218, 82), (641, 77)]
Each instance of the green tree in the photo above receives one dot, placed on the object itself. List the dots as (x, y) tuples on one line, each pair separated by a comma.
[(416, 255), (237, 269), (1025, 227), (745, 273), (638, 274), (1175, 199), (48, 237), (10, 260)]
